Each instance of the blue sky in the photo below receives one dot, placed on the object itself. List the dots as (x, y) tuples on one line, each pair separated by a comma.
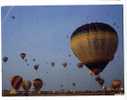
[(42, 32)]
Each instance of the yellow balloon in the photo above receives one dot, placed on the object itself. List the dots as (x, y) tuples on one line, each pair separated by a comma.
[(95, 45)]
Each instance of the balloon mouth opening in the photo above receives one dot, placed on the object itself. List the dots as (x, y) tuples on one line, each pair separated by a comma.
[(95, 71)]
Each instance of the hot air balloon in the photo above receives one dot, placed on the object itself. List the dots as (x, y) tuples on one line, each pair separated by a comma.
[(34, 59), (61, 85), (36, 66), (69, 55), (5, 59), (80, 65), (64, 64), (116, 84), (37, 83), (16, 83), (25, 60), (100, 81), (94, 45), (27, 64), (13, 17), (26, 85), (52, 64), (23, 55), (74, 84)]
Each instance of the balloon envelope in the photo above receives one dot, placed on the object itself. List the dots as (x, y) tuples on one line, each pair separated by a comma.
[(13, 17), (37, 83), (116, 84), (36, 67), (52, 64), (34, 59), (5, 59), (23, 55), (94, 45), (74, 84), (16, 82), (64, 64), (26, 85)]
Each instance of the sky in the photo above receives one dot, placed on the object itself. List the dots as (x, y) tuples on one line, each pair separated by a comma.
[(43, 32)]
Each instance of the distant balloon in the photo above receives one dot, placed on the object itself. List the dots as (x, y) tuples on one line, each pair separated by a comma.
[(27, 64), (80, 65), (74, 84), (34, 59), (52, 64), (37, 83), (91, 44), (36, 67), (64, 64), (25, 60), (13, 17), (26, 85), (69, 55), (23, 55), (16, 82), (5, 59), (116, 84), (61, 85), (100, 81)]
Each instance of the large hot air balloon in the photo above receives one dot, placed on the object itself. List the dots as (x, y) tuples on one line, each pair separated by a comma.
[(37, 83), (5, 59), (16, 83), (94, 45)]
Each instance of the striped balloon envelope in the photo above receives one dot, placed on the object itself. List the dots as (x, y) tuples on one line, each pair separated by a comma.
[(16, 82), (37, 83), (94, 45)]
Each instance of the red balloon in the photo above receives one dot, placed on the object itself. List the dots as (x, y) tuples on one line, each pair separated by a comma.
[(64, 64), (16, 82)]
